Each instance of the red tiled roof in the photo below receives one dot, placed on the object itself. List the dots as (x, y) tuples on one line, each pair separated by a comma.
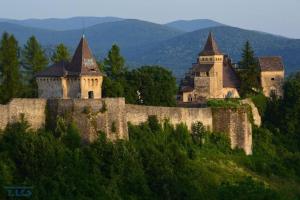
[(271, 63)]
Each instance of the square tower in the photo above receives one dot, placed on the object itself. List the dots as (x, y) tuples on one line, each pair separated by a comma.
[(80, 78)]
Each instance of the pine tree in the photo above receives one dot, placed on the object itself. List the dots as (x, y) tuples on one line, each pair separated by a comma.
[(114, 63), (33, 60), (61, 54), (114, 82), (11, 85), (249, 74)]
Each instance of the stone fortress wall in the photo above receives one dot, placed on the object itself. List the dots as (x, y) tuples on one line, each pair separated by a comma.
[(32, 109), (110, 115)]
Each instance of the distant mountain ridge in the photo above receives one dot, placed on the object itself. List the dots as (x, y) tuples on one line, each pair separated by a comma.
[(180, 52), (63, 24), (193, 25), (144, 42)]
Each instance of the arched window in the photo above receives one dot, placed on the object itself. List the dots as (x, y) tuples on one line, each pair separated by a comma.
[(190, 98)]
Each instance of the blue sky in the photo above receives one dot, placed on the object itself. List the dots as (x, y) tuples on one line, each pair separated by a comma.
[(275, 16)]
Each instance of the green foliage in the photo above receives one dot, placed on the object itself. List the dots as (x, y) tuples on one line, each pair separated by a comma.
[(153, 85), (148, 85), (33, 61), (113, 83), (249, 73), (227, 103), (246, 189), (61, 53), (10, 77), (260, 102), (114, 63), (283, 115), (72, 138), (158, 162), (61, 127), (154, 123), (199, 133)]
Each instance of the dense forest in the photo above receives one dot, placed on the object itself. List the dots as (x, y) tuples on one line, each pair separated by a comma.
[(159, 161)]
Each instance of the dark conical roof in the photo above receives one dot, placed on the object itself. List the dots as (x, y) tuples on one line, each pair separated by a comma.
[(83, 61), (211, 47)]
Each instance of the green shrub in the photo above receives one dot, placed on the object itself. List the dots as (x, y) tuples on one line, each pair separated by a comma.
[(227, 103)]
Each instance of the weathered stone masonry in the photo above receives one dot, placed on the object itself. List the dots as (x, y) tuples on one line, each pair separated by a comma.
[(110, 115)]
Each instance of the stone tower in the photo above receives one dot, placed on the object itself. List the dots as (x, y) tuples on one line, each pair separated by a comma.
[(271, 75), (211, 77), (210, 60), (79, 78)]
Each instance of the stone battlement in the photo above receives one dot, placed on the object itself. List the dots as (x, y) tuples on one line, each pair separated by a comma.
[(110, 115)]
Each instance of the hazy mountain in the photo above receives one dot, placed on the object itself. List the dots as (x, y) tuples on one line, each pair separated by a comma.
[(193, 25), (63, 24), (126, 33), (143, 42), (180, 52)]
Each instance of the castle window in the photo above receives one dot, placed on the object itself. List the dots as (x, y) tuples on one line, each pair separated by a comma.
[(96, 81), (207, 73), (190, 98), (210, 59), (272, 79)]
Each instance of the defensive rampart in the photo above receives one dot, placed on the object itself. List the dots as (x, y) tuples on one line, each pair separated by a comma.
[(110, 115)]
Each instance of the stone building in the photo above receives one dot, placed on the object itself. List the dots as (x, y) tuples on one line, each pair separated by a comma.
[(214, 77), (271, 75), (211, 77), (79, 78)]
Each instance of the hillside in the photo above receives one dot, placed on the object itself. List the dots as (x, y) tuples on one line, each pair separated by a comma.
[(180, 52), (127, 34), (193, 25), (143, 42), (62, 24)]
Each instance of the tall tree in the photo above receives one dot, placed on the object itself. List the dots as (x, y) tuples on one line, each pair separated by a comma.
[(249, 71), (114, 63), (152, 85), (61, 54), (11, 85), (33, 60), (114, 67)]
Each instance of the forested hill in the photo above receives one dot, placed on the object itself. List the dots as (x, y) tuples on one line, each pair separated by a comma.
[(143, 42), (62, 24), (179, 52), (193, 25)]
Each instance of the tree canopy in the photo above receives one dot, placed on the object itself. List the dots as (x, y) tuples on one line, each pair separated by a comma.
[(33, 60), (61, 53), (11, 84), (249, 71)]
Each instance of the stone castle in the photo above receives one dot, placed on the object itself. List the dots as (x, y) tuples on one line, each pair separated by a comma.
[(72, 90), (214, 77), (79, 78)]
